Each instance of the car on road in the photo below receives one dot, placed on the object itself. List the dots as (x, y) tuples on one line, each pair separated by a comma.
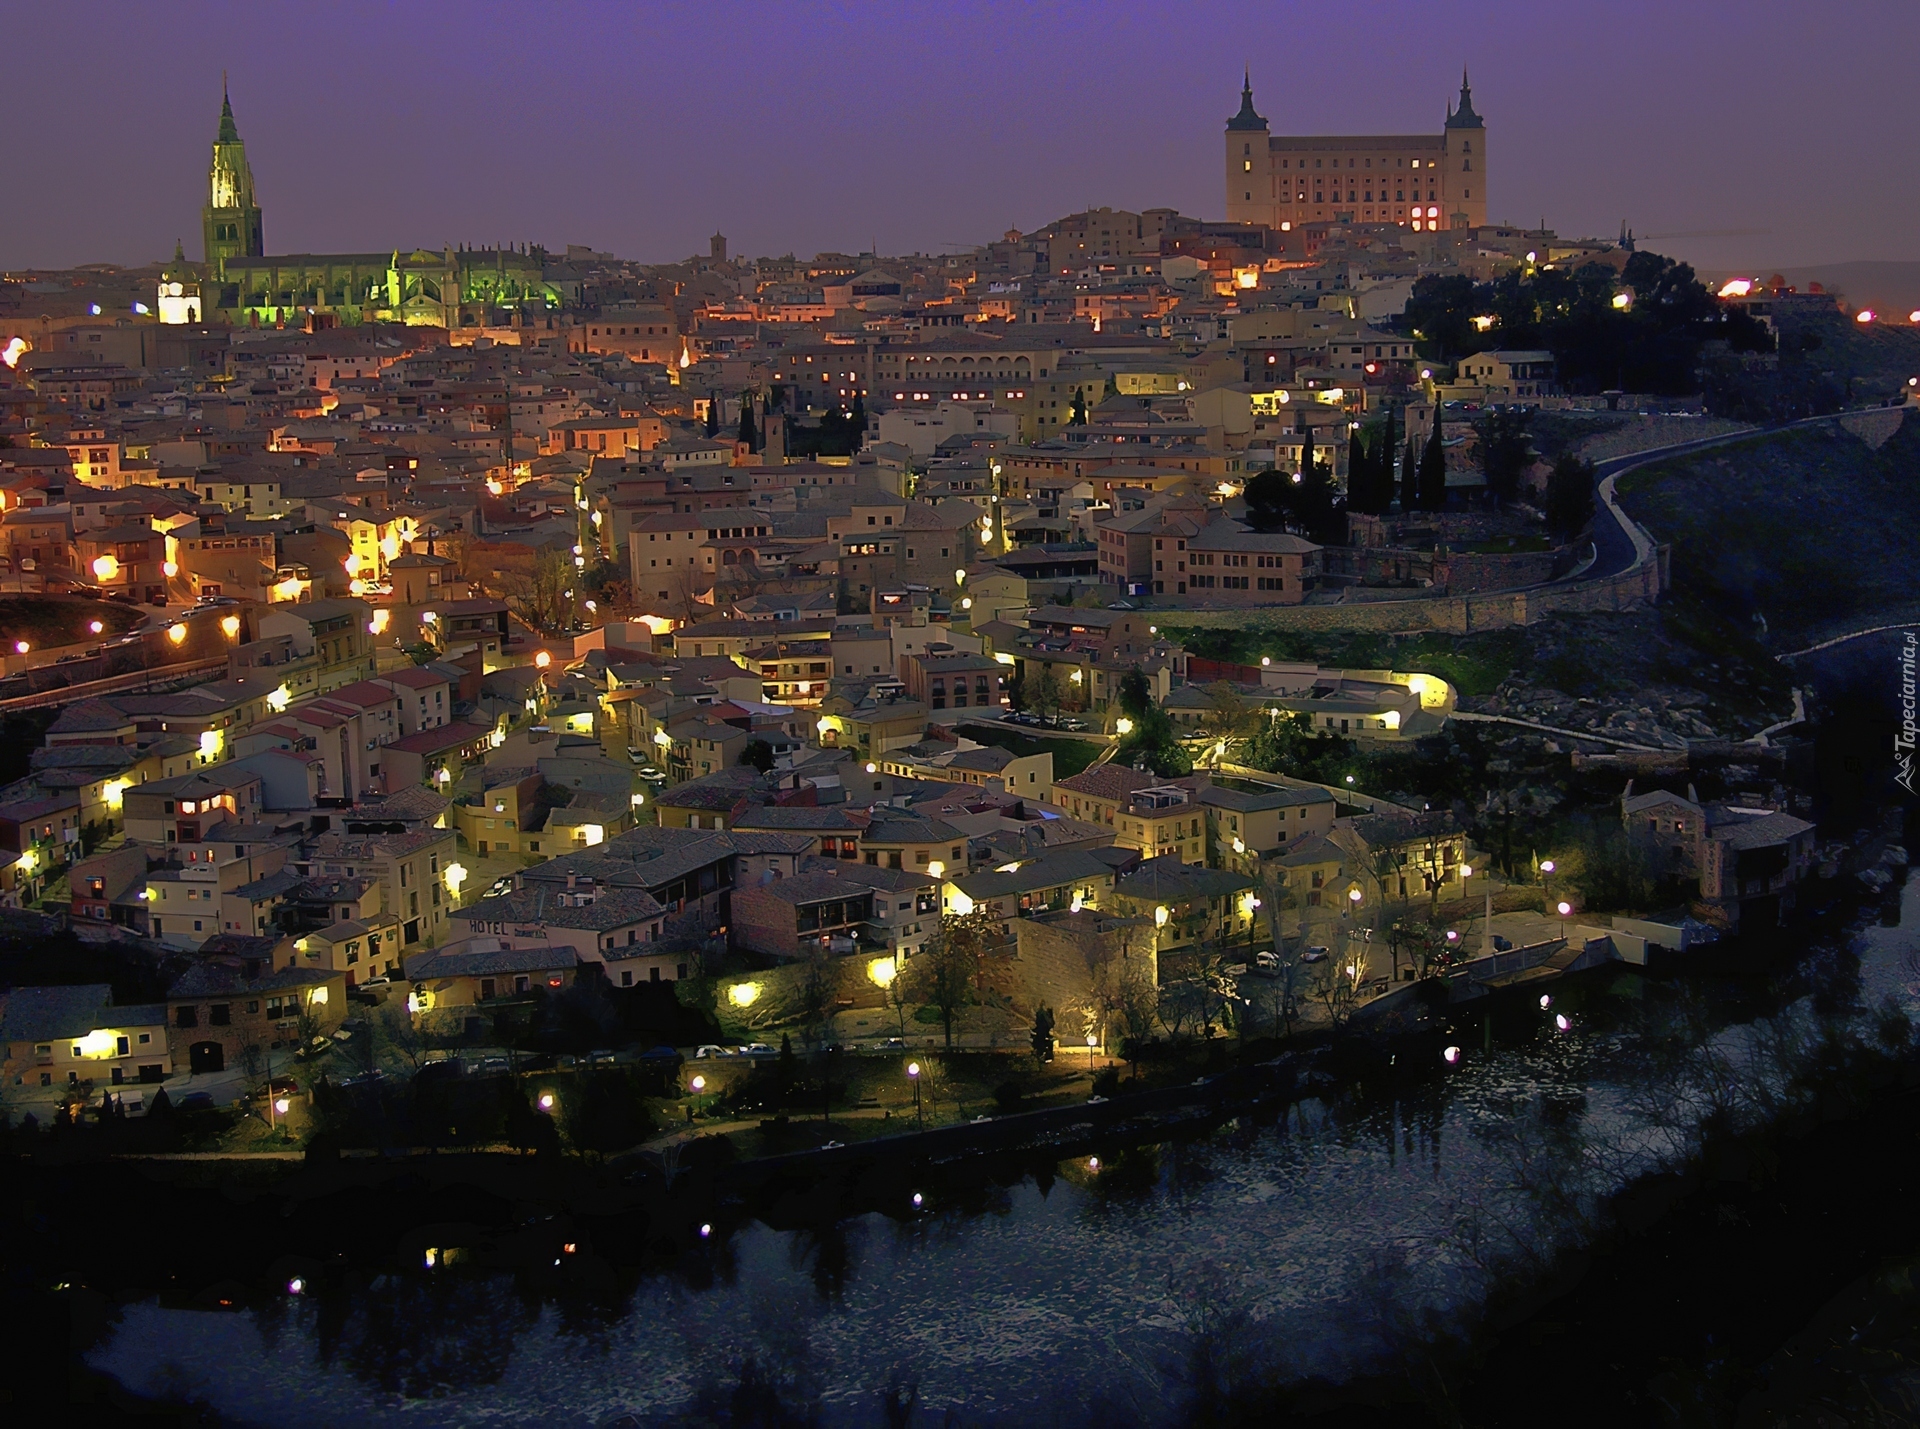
[(365, 1079), (278, 1087), (893, 1044), (1077, 726), (759, 1049), (1314, 954), (1266, 964), (601, 1058), (708, 1049), (1022, 717), (196, 1101)]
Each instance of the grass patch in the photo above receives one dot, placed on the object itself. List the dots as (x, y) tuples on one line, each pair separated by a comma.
[(1473, 664), (44, 620), (1683, 644), (1070, 756)]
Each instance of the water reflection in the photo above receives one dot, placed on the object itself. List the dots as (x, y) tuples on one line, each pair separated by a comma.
[(1310, 1239)]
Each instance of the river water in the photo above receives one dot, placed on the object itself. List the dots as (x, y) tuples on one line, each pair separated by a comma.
[(1293, 1245)]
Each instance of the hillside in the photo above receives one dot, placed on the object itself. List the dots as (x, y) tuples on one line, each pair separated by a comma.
[(1812, 530)]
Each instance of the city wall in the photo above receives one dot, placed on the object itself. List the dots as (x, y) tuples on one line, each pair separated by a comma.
[(1448, 615)]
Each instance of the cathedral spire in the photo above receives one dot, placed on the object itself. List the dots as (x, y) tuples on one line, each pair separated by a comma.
[(229, 131)]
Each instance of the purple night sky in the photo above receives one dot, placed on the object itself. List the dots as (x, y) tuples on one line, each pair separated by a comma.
[(641, 129)]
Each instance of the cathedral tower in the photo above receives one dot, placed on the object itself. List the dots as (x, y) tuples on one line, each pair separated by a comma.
[(230, 223)]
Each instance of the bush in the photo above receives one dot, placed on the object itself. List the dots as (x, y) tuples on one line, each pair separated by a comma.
[(1106, 1083), (1006, 1096)]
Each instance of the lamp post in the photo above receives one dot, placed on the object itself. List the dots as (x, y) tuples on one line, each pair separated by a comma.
[(913, 1075)]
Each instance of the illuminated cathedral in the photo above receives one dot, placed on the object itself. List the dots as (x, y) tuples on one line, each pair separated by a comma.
[(240, 284)]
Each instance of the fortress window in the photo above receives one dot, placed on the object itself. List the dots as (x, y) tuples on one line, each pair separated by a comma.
[(1246, 148)]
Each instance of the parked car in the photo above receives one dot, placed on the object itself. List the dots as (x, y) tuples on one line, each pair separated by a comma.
[(1076, 725), (491, 1067), (894, 1044), (1266, 964), (365, 1079), (601, 1058), (660, 1054), (759, 1049), (196, 1101), (1314, 955), (710, 1050)]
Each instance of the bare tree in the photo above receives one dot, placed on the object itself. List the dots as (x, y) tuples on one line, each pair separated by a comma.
[(541, 595), (949, 964), (1337, 983), (393, 1030)]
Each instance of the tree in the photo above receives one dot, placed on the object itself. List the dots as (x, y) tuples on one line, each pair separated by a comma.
[(748, 432), (1230, 718), (857, 423), (1139, 1006), (1505, 451), (1409, 478), (713, 416), (1359, 474), (817, 993), (1042, 1036), (1441, 312), (1289, 744), (1077, 413), (1433, 471), (1267, 496), (541, 595), (1047, 695), (1570, 497), (1111, 389), (944, 972), (1337, 982), (1135, 695), (757, 754), (1017, 689)]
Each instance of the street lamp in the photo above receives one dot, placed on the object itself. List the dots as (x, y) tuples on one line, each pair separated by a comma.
[(913, 1075)]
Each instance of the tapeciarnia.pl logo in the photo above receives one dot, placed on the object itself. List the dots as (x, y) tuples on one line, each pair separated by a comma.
[(1904, 741)]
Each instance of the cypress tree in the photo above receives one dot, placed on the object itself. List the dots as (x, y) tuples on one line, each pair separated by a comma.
[(1384, 475), (859, 421), (1409, 477), (1306, 450), (748, 433), (713, 416), (1433, 472), (1359, 475)]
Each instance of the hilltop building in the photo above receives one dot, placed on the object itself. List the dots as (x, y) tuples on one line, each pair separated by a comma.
[(1423, 181)]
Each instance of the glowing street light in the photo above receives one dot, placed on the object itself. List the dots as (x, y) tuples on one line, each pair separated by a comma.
[(699, 1085), (177, 634), (20, 647), (1564, 908), (230, 626), (913, 1075), (1451, 1055), (96, 627), (1123, 725), (546, 1101)]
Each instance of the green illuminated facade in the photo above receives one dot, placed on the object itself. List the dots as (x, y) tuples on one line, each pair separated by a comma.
[(454, 287)]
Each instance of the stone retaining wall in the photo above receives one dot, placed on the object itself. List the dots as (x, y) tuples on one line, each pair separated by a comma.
[(1450, 615)]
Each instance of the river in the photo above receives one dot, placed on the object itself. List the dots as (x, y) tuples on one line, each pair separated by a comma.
[(1290, 1246)]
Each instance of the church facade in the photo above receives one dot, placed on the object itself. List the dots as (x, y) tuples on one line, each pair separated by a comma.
[(1421, 181), (240, 284)]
